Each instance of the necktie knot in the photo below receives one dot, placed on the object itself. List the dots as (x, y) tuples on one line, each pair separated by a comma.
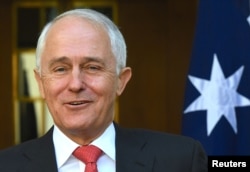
[(89, 155)]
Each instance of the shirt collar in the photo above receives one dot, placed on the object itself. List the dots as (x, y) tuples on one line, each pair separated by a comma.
[(106, 142)]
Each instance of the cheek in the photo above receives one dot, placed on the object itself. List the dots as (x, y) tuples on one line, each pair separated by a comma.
[(105, 86), (53, 87)]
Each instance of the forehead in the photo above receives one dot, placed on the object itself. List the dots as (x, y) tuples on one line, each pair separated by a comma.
[(73, 36), (69, 25), (76, 31)]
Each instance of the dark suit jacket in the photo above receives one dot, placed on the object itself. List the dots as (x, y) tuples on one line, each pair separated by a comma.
[(136, 151)]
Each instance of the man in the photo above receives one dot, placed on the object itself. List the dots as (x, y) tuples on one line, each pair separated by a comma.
[(81, 69)]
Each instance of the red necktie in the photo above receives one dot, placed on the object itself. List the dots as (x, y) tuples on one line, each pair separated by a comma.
[(88, 155)]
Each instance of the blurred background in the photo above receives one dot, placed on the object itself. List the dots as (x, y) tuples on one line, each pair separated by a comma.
[(159, 36)]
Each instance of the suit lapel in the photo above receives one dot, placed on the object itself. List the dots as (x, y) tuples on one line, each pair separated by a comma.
[(41, 157), (131, 152)]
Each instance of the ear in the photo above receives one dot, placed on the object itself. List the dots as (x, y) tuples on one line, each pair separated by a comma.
[(39, 82), (124, 77)]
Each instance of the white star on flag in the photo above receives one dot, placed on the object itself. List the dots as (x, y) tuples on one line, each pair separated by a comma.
[(248, 19), (218, 96)]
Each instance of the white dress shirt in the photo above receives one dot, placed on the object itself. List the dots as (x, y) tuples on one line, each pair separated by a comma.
[(64, 148)]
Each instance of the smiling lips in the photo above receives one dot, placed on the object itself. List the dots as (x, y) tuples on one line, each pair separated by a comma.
[(78, 102)]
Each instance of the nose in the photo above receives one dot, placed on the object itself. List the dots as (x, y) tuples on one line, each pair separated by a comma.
[(76, 82)]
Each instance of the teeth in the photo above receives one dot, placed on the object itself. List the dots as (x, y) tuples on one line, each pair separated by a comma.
[(76, 103)]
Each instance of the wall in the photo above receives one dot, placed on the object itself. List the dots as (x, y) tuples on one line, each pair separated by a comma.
[(159, 36), (6, 104)]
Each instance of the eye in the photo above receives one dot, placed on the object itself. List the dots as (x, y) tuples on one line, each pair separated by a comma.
[(92, 68), (60, 69)]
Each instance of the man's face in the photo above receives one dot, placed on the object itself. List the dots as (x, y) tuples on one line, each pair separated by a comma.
[(78, 77)]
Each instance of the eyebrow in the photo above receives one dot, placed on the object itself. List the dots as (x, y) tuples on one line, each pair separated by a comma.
[(58, 60), (94, 59), (65, 59)]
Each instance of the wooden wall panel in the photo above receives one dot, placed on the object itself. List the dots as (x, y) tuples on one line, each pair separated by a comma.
[(159, 36), (6, 104)]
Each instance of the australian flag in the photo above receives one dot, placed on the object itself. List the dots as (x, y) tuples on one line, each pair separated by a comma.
[(217, 97)]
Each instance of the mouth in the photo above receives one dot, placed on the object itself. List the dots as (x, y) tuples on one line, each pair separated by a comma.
[(77, 103)]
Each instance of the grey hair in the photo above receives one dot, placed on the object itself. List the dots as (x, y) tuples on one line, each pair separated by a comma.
[(118, 45)]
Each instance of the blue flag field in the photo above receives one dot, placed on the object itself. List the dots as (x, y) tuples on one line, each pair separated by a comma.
[(217, 98)]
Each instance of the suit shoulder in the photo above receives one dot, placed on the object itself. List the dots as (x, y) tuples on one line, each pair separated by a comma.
[(172, 144), (163, 139), (159, 135), (34, 144)]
